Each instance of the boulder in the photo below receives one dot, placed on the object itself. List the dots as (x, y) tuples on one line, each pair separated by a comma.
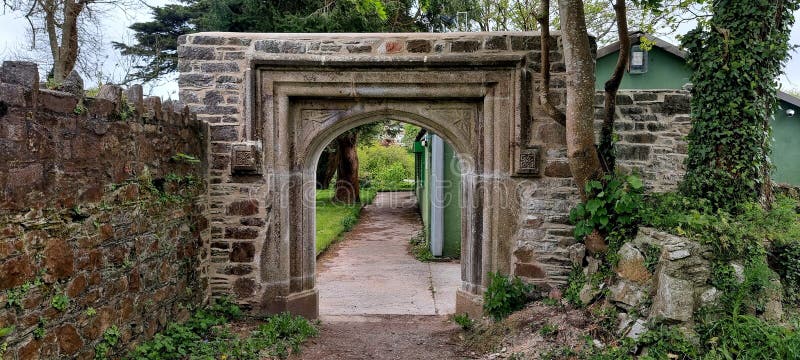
[(674, 299), (627, 294)]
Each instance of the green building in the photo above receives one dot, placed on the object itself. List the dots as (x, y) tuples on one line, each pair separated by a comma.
[(664, 67), (437, 177)]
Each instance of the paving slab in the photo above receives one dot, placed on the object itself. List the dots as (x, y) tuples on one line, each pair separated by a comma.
[(371, 271)]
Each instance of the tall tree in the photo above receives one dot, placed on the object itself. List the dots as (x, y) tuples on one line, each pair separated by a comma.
[(735, 59), (66, 24)]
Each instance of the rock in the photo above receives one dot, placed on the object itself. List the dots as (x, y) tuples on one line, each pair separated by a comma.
[(627, 293), (110, 92), (738, 271), (631, 265), (576, 254), (674, 299), (638, 328), (73, 84), (588, 293), (679, 254), (709, 296), (593, 265), (773, 309)]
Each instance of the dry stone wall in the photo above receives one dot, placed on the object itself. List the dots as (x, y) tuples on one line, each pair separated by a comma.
[(102, 222)]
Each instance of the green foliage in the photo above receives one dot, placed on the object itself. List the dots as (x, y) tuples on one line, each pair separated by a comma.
[(386, 167), (80, 109), (15, 295), (735, 60), (548, 330), (39, 331), (786, 255), (575, 283), (60, 302), (505, 295), (5, 331), (667, 342), (110, 339), (185, 158), (747, 337), (410, 133), (90, 311), (652, 254), (613, 205), (421, 248), (207, 336), (464, 321)]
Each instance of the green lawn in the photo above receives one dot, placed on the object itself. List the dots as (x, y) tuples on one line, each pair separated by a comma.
[(333, 220)]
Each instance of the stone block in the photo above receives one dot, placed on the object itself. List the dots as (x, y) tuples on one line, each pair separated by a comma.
[(462, 46), (16, 271), (73, 84), (59, 260), (532, 271), (496, 43), (196, 53), (69, 342), (673, 300), (224, 133), (241, 232), (359, 48), (57, 101), (242, 252), (219, 67), (23, 73), (418, 46), (676, 104)]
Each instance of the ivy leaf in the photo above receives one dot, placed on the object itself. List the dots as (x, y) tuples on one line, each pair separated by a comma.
[(635, 182)]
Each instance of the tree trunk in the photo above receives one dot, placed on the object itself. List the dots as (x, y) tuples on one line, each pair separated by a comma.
[(606, 147), (583, 159), (326, 168), (68, 51), (544, 96), (347, 187)]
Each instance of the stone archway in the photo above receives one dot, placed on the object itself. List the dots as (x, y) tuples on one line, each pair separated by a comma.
[(275, 100)]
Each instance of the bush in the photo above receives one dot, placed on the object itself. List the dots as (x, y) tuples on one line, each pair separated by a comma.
[(505, 295), (207, 336), (464, 321), (386, 167)]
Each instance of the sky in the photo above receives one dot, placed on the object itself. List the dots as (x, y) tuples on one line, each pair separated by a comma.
[(13, 40)]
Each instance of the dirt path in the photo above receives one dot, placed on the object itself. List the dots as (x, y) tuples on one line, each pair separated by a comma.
[(376, 300), (384, 337)]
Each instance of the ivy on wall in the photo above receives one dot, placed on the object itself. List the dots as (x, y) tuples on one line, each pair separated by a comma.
[(735, 60)]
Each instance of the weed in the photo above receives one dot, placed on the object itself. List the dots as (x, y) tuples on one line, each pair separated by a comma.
[(505, 295), (110, 339), (185, 158), (39, 332), (90, 311), (60, 302), (5, 331), (575, 283), (206, 336), (548, 330), (80, 109), (551, 302), (464, 321), (652, 254)]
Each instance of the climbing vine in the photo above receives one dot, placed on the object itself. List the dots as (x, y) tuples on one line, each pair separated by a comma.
[(735, 60)]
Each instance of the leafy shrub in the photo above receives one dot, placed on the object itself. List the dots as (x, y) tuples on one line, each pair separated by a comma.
[(386, 167), (60, 302), (505, 295), (786, 256), (421, 248), (575, 283), (207, 336), (464, 321), (613, 204)]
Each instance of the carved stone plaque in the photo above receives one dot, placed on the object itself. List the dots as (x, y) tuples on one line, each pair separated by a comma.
[(245, 159), (529, 161)]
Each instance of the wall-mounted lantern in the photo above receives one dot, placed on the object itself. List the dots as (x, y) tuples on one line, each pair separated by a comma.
[(638, 61)]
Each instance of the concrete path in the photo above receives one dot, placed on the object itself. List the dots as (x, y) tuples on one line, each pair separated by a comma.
[(371, 271)]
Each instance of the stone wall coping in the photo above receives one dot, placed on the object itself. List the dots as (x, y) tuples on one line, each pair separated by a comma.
[(446, 59), (367, 36)]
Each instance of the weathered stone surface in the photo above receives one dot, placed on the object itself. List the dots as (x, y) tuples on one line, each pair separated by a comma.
[(627, 294), (673, 300), (15, 272), (69, 342), (588, 293), (73, 84), (23, 73), (58, 260), (242, 252), (465, 46), (418, 46)]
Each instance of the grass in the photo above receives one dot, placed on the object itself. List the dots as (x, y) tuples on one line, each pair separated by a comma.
[(333, 219)]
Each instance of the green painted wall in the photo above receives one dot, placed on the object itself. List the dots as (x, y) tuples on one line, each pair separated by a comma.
[(452, 210), (786, 145), (665, 71), (452, 195)]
